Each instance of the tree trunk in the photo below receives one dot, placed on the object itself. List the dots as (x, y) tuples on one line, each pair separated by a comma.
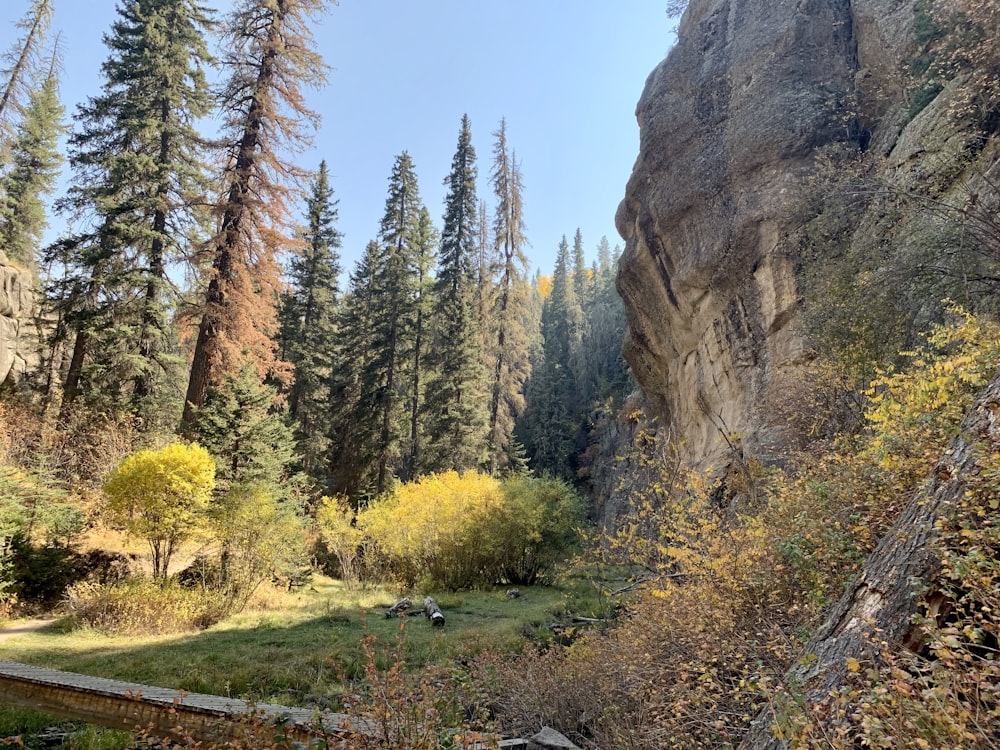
[(880, 603)]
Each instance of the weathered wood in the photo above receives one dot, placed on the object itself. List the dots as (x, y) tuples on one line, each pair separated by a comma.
[(884, 597), (159, 711), (399, 607), (433, 612)]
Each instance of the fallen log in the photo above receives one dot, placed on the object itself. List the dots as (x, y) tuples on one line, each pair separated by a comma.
[(398, 608), (881, 602), (433, 612)]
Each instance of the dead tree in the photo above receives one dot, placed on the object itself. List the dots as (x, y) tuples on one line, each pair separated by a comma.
[(881, 602), (433, 612)]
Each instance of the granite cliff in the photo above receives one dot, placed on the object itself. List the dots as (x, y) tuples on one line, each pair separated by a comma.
[(18, 341), (732, 125)]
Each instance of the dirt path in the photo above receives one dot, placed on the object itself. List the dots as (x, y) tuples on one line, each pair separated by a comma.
[(23, 627)]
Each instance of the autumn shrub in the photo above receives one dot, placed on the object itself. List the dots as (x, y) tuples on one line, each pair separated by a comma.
[(730, 600), (394, 709), (161, 496), (465, 530), (143, 607), (336, 522), (259, 536)]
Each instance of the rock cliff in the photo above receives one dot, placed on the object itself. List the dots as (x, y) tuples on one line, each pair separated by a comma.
[(731, 125), (17, 340)]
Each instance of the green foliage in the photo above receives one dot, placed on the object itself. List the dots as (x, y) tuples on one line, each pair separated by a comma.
[(35, 162), (162, 496), (308, 325), (140, 165), (246, 433), (459, 531), (456, 418), (260, 536)]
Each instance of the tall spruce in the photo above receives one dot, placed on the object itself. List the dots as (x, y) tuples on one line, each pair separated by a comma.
[(384, 382), (456, 420), (425, 244), (353, 431), (270, 56), (35, 161), (22, 64), (508, 344), (551, 419), (309, 312), (139, 166)]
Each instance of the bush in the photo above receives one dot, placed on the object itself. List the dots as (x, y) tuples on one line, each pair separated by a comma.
[(143, 607), (465, 530), (162, 496)]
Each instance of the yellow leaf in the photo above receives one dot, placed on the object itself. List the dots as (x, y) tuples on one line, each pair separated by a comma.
[(853, 665)]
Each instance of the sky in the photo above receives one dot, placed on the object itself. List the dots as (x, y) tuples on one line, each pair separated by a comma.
[(565, 75)]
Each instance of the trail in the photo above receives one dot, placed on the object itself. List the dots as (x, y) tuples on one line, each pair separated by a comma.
[(23, 627)]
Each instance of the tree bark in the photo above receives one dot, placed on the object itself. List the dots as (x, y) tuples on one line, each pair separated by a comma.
[(880, 603)]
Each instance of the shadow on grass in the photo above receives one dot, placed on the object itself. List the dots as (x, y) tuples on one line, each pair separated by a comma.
[(294, 657)]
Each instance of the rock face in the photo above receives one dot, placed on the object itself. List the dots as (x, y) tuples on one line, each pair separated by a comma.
[(17, 339), (730, 127)]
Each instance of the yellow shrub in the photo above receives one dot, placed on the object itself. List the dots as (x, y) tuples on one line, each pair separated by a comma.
[(466, 530), (162, 496)]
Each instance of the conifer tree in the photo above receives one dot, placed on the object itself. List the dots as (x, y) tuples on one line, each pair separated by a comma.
[(139, 166), (552, 417), (21, 64), (309, 329), (508, 345), (455, 417), (35, 160), (250, 439), (270, 56), (424, 246), (353, 429), (384, 381)]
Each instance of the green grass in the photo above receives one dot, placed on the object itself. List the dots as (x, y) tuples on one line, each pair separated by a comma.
[(307, 646), (299, 649)]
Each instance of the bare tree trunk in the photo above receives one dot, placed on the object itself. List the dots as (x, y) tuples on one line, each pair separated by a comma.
[(880, 603)]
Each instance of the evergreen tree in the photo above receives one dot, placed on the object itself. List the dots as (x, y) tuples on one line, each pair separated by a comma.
[(139, 166), (508, 345), (551, 419), (34, 169), (250, 438), (353, 429), (21, 64), (384, 381), (456, 424), (309, 328), (424, 246), (270, 55)]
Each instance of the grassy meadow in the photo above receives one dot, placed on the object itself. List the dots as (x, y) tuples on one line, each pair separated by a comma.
[(297, 648)]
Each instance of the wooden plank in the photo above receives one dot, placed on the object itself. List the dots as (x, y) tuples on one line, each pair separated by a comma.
[(128, 706)]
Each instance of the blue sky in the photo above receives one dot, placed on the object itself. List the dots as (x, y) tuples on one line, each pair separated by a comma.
[(566, 75)]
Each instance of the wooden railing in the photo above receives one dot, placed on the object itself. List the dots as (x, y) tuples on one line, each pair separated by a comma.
[(163, 712)]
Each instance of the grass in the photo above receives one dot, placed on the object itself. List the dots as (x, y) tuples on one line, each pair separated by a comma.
[(297, 648)]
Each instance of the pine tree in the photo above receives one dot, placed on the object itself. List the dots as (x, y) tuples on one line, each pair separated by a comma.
[(34, 169), (250, 439), (21, 63), (353, 430), (384, 382), (309, 328), (456, 425), (139, 166), (424, 246), (552, 417), (508, 350), (270, 55)]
